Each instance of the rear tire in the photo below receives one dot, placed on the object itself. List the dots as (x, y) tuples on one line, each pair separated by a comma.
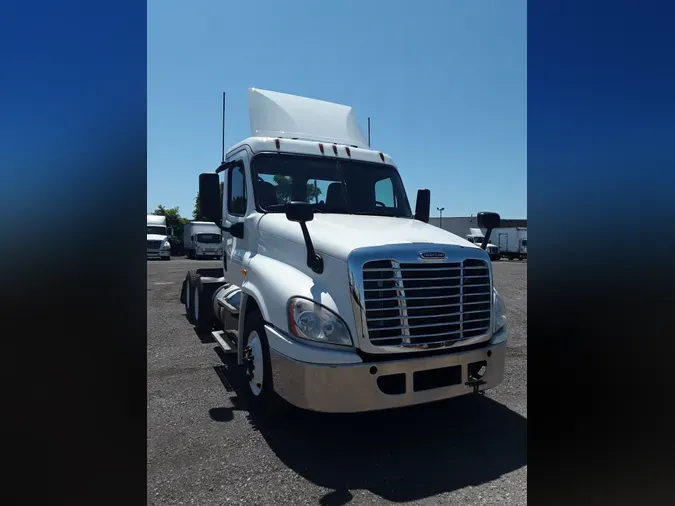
[(261, 398)]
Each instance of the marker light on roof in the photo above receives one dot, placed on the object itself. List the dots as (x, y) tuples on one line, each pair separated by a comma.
[(276, 141), (335, 149), (382, 157), (321, 148), (348, 152)]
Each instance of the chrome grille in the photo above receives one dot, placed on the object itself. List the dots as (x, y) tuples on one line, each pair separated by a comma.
[(426, 304), (154, 244)]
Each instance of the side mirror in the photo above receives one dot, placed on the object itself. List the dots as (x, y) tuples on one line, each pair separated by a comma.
[(488, 221), (423, 205), (170, 230), (299, 212), (209, 196)]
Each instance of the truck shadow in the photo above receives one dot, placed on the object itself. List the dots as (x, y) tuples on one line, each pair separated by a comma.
[(400, 455)]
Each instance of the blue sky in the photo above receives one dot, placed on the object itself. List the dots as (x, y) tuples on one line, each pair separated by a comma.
[(445, 83)]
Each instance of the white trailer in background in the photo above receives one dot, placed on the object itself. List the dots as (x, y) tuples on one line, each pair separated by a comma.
[(512, 242), (202, 239), (476, 236), (157, 233)]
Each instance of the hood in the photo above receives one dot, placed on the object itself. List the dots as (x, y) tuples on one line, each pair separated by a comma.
[(338, 235), (156, 237)]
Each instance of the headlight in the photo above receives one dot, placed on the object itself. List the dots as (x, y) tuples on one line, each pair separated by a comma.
[(166, 245), (312, 321), (499, 311)]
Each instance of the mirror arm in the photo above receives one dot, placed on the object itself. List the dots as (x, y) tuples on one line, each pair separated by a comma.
[(229, 165), (314, 261), (219, 224), (486, 238)]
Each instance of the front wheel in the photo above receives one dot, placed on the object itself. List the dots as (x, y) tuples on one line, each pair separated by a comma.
[(257, 368)]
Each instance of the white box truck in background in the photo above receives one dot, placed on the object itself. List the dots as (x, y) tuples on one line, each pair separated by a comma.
[(512, 242), (158, 245), (476, 236), (202, 239)]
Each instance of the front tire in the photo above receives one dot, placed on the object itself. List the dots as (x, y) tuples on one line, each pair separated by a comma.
[(261, 398)]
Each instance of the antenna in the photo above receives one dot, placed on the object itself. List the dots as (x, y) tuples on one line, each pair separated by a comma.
[(222, 159), (368, 131)]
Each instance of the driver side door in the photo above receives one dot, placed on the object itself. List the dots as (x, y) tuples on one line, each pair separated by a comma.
[(235, 209)]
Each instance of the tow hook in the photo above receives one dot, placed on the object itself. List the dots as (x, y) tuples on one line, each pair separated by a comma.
[(475, 384)]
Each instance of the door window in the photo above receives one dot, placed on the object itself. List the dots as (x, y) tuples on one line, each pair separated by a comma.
[(236, 192)]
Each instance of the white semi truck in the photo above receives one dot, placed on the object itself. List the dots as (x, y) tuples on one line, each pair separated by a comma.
[(476, 236), (158, 245), (333, 294), (202, 239), (512, 242)]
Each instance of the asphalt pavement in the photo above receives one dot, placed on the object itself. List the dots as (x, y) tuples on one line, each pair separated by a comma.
[(204, 448)]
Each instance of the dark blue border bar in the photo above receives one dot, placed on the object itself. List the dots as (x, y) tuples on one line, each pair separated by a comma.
[(72, 188), (601, 155)]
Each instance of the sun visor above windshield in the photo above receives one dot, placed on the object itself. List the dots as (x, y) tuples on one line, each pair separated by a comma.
[(274, 114)]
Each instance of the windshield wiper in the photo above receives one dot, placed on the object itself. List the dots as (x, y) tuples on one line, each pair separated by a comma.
[(274, 207), (379, 212)]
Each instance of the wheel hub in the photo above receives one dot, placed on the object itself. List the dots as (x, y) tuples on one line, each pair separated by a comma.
[(253, 361)]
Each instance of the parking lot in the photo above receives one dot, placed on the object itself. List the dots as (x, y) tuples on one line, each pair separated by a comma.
[(203, 448)]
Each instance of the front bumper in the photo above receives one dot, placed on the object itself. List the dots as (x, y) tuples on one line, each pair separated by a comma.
[(158, 253), (349, 388)]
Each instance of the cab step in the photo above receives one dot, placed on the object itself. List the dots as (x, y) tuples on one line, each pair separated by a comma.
[(227, 340)]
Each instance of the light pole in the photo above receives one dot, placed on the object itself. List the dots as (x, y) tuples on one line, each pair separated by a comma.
[(440, 210)]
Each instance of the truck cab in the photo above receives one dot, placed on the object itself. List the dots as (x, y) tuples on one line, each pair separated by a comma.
[(158, 245), (333, 293)]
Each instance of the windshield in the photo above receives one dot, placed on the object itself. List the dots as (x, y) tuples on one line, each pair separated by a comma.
[(334, 186), (156, 229), (209, 238)]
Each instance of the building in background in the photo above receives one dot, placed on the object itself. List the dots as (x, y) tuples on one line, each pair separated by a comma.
[(460, 225)]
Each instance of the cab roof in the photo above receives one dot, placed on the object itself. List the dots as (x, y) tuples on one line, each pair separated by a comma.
[(305, 147)]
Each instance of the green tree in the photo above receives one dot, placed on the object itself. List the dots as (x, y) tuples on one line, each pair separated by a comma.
[(173, 220)]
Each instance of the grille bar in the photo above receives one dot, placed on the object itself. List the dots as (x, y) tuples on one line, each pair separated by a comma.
[(415, 304), (425, 307), (426, 335), (423, 316)]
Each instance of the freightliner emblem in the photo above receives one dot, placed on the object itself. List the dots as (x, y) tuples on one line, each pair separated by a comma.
[(432, 255)]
